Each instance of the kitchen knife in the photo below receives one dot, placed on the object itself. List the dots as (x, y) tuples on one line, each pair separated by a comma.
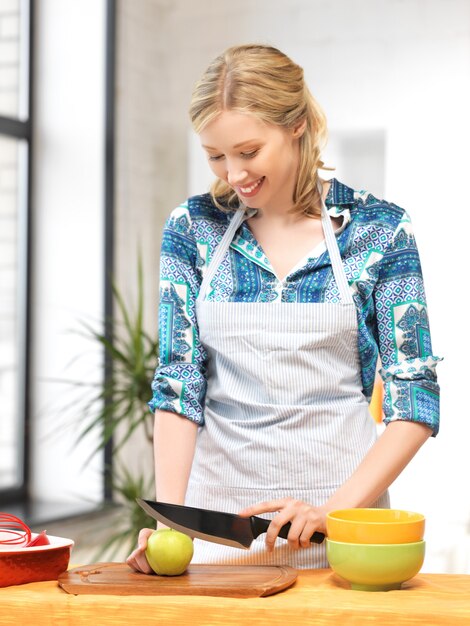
[(226, 528)]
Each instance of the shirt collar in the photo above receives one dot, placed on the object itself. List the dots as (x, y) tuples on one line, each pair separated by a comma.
[(338, 202), (339, 194)]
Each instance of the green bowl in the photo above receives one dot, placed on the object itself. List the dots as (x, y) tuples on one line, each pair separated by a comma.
[(375, 567)]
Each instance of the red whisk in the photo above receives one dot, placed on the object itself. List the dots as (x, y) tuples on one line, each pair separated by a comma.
[(14, 532)]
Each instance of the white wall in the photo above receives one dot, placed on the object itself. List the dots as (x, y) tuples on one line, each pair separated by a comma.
[(68, 239)]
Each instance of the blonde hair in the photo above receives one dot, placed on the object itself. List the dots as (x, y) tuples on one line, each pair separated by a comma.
[(262, 81)]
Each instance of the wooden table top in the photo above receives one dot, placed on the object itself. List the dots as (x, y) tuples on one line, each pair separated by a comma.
[(317, 597)]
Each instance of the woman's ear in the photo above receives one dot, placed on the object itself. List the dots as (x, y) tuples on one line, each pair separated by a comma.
[(299, 128)]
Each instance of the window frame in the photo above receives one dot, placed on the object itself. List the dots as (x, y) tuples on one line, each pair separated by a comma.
[(22, 129)]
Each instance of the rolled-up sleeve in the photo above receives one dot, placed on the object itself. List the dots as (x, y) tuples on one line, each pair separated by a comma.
[(408, 366), (179, 384)]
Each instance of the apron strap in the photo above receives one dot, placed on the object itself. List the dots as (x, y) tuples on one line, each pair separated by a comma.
[(331, 245), (335, 257), (216, 260)]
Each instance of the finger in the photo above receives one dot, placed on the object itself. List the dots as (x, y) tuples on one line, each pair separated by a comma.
[(275, 526), (268, 506), (143, 564), (142, 539), (137, 559), (138, 562), (131, 561), (308, 530), (298, 532)]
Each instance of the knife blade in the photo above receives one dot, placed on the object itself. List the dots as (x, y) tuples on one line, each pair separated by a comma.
[(225, 528)]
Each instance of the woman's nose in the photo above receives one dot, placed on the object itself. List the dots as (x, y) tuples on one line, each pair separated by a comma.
[(236, 175)]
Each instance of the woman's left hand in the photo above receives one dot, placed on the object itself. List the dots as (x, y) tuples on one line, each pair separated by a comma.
[(305, 519)]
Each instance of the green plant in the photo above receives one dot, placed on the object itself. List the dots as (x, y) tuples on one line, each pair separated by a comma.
[(122, 398), (133, 517), (117, 407)]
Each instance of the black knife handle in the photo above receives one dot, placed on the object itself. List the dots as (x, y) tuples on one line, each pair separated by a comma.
[(260, 525)]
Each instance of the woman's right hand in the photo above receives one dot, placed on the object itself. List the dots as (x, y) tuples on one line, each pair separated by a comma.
[(137, 559)]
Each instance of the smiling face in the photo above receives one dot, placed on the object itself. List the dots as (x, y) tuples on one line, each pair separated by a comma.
[(259, 161)]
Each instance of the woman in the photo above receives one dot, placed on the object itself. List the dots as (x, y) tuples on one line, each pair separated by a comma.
[(278, 292)]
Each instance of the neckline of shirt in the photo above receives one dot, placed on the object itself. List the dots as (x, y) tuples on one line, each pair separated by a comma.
[(335, 206)]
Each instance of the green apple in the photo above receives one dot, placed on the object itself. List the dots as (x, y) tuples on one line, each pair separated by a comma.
[(169, 552)]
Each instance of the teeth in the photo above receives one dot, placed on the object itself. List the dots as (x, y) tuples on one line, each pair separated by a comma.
[(251, 187)]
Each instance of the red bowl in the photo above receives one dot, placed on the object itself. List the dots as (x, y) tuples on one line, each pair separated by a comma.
[(28, 565)]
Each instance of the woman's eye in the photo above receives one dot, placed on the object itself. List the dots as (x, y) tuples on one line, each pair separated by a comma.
[(244, 155)]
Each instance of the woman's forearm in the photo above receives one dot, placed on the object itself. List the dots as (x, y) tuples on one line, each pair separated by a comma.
[(386, 459), (174, 443)]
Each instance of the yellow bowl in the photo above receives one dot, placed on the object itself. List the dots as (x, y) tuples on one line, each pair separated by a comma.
[(375, 567), (375, 526)]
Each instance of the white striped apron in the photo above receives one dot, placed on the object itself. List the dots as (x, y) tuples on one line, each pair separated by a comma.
[(285, 415)]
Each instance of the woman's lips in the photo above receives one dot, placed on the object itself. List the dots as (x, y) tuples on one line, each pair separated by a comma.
[(248, 191)]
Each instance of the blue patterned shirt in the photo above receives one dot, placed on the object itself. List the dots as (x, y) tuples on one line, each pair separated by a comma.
[(383, 269)]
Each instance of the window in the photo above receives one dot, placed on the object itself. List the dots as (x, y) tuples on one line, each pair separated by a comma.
[(15, 148)]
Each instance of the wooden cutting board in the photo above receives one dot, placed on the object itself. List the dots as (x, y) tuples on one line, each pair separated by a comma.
[(235, 581)]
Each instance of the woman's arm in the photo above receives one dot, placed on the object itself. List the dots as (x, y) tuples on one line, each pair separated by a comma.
[(174, 443), (384, 462), (179, 382), (380, 467), (411, 390)]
